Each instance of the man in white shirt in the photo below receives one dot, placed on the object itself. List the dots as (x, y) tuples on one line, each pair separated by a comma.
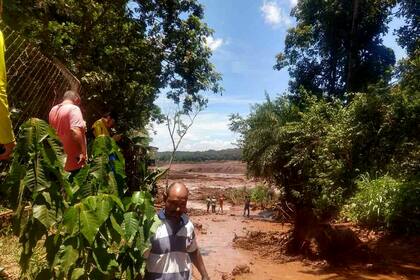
[(174, 245)]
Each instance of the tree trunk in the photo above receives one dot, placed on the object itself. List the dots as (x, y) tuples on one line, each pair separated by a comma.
[(305, 225), (351, 51)]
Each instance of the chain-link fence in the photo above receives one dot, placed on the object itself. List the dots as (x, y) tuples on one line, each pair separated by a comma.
[(35, 81)]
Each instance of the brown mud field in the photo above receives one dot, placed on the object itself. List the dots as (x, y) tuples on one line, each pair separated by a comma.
[(257, 256)]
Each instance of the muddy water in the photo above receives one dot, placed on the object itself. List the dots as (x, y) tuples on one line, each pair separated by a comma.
[(221, 257)]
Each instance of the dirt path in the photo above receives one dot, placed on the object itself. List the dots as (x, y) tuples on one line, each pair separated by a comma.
[(221, 257)]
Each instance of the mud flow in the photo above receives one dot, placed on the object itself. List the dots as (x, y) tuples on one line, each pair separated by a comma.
[(238, 247)]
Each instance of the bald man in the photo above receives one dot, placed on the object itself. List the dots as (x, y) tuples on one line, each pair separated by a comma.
[(174, 245), (67, 120)]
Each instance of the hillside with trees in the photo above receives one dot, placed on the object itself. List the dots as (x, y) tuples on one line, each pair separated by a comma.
[(183, 156)]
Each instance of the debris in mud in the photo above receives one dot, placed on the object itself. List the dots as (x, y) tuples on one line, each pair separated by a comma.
[(218, 220), (198, 226), (268, 244), (196, 212), (241, 269), (226, 276)]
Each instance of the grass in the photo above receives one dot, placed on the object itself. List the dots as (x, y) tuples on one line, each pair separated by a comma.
[(9, 257), (10, 249)]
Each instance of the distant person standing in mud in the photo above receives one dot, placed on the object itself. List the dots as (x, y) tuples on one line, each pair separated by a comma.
[(221, 200), (213, 204), (174, 245), (247, 205), (208, 201)]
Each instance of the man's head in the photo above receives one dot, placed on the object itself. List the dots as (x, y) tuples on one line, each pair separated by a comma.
[(109, 120), (72, 96), (176, 198)]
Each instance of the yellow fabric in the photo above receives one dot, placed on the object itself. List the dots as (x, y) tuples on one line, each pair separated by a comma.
[(99, 128), (6, 129)]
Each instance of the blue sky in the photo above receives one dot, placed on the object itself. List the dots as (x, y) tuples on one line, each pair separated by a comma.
[(248, 35)]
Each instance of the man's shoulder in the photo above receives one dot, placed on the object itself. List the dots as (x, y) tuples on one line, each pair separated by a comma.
[(72, 107)]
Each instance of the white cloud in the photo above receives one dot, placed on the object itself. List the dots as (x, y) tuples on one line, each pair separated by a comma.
[(293, 3), (214, 43), (274, 15), (210, 131)]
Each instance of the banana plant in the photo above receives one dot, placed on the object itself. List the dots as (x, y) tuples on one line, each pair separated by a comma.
[(88, 228)]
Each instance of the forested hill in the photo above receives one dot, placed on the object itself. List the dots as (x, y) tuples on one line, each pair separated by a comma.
[(227, 154)]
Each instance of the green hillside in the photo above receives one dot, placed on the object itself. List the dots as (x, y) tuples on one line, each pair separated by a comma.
[(226, 154)]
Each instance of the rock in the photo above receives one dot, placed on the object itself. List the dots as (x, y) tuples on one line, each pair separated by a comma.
[(241, 269)]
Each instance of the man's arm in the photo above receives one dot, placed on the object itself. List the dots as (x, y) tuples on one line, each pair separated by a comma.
[(198, 262), (78, 135)]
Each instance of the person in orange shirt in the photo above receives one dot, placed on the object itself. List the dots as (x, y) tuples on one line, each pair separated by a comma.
[(7, 138)]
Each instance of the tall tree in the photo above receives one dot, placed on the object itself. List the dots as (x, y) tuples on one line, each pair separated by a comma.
[(336, 46), (409, 38), (409, 33), (124, 52)]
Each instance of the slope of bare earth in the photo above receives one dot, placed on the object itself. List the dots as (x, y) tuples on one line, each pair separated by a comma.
[(207, 178)]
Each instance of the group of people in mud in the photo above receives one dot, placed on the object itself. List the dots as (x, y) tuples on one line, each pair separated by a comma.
[(211, 203)]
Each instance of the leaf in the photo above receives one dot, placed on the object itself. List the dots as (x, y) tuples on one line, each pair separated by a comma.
[(46, 216), (104, 260), (116, 226), (35, 179), (117, 201), (77, 273), (94, 211), (71, 220), (130, 226), (66, 258)]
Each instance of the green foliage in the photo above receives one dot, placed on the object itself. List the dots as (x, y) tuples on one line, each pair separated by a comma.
[(386, 202), (237, 195), (336, 46), (408, 36), (262, 195), (124, 52), (226, 154), (88, 228), (315, 154)]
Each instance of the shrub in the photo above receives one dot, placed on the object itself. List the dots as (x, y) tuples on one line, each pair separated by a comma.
[(89, 228), (386, 203), (237, 196), (262, 195)]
